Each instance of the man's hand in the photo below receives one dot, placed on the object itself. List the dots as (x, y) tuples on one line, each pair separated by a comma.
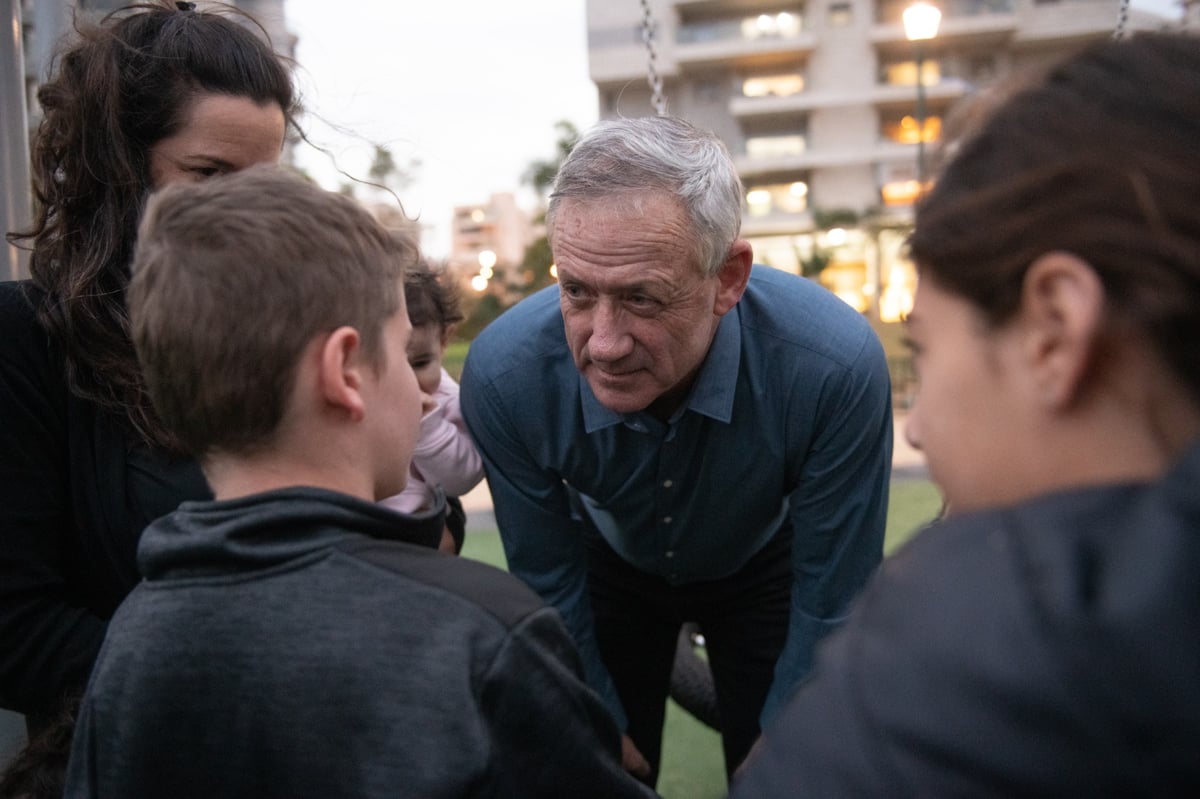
[(632, 759)]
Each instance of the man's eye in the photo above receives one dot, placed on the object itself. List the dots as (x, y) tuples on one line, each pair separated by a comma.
[(207, 171), (642, 303)]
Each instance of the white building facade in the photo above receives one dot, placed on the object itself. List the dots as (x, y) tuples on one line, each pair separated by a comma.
[(818, 102)]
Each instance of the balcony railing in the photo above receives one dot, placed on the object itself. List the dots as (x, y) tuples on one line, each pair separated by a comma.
[(889, 12), (782, 25)]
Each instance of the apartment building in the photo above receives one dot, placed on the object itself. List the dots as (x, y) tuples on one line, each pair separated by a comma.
[(819, 103), (488, 242)]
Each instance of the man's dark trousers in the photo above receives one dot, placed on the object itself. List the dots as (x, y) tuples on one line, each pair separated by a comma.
[(744, 619)]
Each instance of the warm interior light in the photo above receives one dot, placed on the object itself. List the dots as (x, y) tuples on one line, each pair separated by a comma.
[(758, 197)]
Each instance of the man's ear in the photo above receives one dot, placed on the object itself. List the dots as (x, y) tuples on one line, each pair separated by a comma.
[(734, 275), (1062, 310), (340, 375)]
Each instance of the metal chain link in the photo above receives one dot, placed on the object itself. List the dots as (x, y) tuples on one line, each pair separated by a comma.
[(1122, 18), (652, 77)]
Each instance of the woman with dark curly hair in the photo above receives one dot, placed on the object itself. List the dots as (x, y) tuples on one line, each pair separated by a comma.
[(155, 93)]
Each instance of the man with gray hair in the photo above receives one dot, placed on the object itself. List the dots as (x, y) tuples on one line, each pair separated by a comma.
[(673, 434)]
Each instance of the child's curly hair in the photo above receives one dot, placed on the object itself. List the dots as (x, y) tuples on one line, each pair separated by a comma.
[(431, 297)]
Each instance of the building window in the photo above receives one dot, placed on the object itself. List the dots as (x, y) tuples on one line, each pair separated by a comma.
[(777, 198), (775, 146), (840, 14), (904, 73), (784, 25), (903, 128), (783, 84), (898, 193)]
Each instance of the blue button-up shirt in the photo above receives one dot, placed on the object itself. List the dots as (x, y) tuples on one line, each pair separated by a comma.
[(790, 415)]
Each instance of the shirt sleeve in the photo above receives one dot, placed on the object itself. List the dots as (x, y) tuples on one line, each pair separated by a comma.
[(445, 455), (543, 543), (48, 640), (548, 728), (838, 511)]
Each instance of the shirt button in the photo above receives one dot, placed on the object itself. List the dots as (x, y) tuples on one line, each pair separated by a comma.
[(666, 520), (667, 483), (670, 553)]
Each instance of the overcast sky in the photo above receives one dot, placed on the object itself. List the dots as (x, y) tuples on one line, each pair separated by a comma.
[(471, 88)]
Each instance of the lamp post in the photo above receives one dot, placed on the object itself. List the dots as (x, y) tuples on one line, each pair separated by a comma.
[(921, 20)]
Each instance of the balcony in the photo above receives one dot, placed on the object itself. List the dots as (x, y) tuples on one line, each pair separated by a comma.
[(750, 167), (761, 38), (978, 23)]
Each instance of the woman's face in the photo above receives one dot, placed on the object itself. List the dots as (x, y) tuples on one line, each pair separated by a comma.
[(221, 133), (967, 418)]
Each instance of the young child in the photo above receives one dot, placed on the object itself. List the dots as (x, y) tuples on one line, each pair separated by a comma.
[(445, 456), (292, 637)]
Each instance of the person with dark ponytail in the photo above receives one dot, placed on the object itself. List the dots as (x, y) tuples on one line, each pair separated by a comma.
[(1041, 640), (152, 94)]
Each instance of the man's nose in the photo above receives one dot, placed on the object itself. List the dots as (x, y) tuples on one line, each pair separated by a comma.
[(610, 340)]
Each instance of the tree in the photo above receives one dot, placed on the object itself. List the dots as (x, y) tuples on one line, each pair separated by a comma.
[(541, 174), (384, 175), (387, 173)]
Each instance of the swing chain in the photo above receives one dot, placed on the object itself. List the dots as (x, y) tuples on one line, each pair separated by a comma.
[(653, 78), (1122, 18)]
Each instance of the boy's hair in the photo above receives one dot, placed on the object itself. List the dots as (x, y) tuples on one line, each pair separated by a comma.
[(430, 297), (232, 278)]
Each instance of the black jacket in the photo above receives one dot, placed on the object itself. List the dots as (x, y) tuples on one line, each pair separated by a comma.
[(1050, 649), (75, 494), (294, 643)]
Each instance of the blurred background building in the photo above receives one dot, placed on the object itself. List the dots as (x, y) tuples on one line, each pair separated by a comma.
[(488, 242), (828, 107)]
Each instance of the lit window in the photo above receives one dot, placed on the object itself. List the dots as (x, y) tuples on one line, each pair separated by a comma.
[(781, 85), (904, 73), (900, 192), (775, 146), (777, 198), (783, 24), (905, 130)]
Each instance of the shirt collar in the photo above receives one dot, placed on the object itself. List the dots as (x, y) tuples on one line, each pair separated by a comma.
[(712, 395)]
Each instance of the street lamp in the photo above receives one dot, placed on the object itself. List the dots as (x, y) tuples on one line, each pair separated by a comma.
[(921, 20)]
